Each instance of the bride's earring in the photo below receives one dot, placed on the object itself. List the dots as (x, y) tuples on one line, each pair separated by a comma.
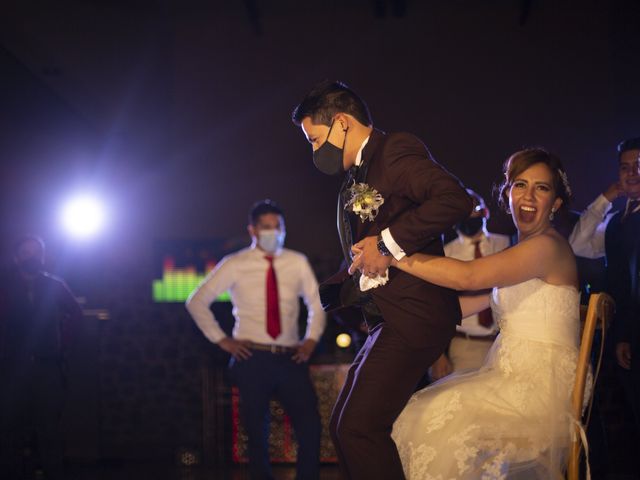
[(552, 214)]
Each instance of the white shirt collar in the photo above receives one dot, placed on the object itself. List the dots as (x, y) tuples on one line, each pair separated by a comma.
[(359, 154), (626, 208)]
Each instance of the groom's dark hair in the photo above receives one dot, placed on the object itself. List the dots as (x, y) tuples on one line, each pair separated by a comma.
[(326, 100), (262, 208)]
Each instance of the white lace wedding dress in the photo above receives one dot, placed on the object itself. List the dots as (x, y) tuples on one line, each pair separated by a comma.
[(509, 419)]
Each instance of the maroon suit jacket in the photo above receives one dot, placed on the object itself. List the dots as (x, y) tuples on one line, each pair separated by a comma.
[(421, 201)]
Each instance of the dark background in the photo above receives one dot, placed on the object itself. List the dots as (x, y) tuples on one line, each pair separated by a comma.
[(178, 114)]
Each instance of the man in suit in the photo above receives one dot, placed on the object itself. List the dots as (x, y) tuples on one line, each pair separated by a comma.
[(410, 321), (617, 236)]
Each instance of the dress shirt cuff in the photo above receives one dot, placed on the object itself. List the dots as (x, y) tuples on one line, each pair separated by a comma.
[(315, 329), (213, 332), (217, 337), (600, 206), (394, 248), (311, 337)]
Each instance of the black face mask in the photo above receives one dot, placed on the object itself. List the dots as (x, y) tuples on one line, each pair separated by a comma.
[(328, 158), (31, 265), (470, 226)]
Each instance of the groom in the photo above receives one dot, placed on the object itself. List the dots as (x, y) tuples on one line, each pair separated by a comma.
[(410, 321)]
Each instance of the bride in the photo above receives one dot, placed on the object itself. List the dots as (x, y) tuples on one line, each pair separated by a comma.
[(509, 419)]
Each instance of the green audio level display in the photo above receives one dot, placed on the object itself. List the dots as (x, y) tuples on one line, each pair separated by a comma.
[(177, 283)]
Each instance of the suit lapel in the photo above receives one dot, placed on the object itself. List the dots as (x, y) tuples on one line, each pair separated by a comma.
[(345, 224), (350, 227), (368, 158)]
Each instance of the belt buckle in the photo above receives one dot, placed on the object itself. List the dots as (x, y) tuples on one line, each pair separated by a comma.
[(274, 348)]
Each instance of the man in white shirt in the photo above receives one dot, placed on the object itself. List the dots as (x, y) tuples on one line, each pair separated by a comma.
[(590, 234), (616, 236), (475, 335), (587, 237), (266, 281)]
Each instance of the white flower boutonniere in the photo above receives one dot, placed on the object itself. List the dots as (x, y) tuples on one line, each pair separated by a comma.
[(364, 201)]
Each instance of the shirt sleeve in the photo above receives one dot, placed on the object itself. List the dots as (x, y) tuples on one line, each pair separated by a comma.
[(199, 302), (316, 319), (587, 237), (394, 248)]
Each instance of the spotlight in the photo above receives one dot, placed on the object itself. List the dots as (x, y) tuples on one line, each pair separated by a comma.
[(343, 340), (83, 216)]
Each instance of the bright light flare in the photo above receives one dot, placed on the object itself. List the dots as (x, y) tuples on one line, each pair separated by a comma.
[(343, 340), (83, 216)]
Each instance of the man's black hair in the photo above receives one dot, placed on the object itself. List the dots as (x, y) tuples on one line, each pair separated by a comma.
[(263, 207), (326, 100), (628, 144)]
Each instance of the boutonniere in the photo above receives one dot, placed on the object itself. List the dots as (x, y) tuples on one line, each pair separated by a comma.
[(364, 201)]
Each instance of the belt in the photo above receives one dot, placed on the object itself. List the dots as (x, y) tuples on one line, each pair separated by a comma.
[(482, 338), (277, 349)]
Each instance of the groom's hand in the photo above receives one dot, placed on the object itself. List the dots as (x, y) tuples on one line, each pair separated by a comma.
[(368, 258)]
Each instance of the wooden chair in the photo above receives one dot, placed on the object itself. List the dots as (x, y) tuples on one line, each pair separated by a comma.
[(598, 315)]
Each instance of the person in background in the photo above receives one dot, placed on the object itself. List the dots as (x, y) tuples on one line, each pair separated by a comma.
[(475, 336), (268, 358), (616, 236), (37, 313)]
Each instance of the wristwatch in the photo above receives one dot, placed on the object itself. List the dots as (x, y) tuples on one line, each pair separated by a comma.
[(382, 248)]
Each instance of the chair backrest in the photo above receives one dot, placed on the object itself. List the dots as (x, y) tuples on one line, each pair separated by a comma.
[(598, 315)]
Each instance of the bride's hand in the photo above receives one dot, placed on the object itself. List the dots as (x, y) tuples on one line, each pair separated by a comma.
[(356, 264), (356, 257), (356, 249)]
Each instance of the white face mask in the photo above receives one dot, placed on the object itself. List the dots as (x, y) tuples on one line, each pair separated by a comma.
[(270, 240)]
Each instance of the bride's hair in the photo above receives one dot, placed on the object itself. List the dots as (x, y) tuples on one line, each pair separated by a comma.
[(521, 161)]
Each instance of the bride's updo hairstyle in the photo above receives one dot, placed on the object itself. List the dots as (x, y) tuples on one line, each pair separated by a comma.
[(521, 161)]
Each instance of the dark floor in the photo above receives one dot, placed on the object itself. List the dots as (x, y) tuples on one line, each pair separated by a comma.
[(169, 472), (164, 472)]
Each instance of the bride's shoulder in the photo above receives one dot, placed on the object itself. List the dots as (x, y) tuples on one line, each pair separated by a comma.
[(560, 242), (563, 268), (546, 242), (546, 247)]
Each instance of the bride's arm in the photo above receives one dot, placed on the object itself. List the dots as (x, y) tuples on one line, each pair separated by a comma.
[(533, 258), (470, 304)]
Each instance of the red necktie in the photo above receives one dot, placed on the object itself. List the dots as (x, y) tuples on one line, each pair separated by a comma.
[(484, 317), (273, 309)]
